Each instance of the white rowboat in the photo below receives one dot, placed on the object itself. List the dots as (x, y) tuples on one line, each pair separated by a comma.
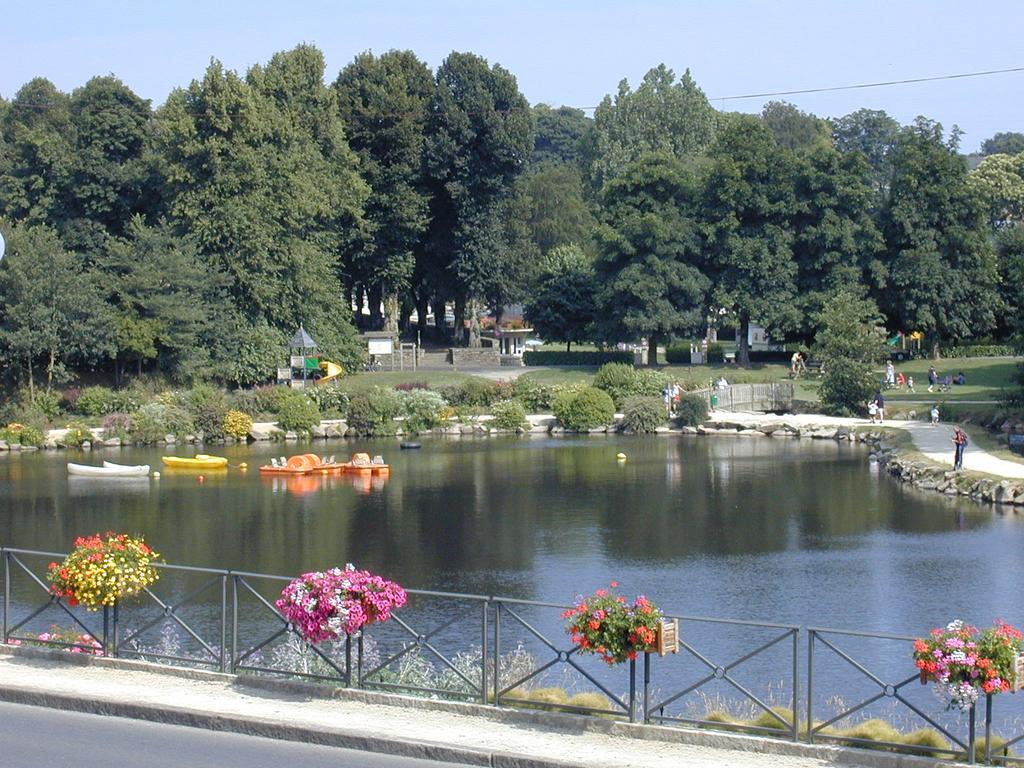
[(109, 469)]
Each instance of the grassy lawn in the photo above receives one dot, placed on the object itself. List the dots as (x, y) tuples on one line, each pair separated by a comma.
[(987, 377)]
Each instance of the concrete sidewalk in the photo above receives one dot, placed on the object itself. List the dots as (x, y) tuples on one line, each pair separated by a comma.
[(460, 733), (936, 442)]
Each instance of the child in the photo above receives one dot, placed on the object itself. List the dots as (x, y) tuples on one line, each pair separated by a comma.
[(935, 415), (872, 411), (901, 380), (910, 383)]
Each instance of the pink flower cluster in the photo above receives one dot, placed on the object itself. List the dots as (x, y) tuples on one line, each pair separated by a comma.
[(326, 605), (964, 662)]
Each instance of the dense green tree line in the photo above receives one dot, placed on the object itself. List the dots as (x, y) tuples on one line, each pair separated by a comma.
[(193, 238)]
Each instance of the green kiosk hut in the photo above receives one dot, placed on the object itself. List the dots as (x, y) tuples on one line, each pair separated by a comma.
[(302, 354)]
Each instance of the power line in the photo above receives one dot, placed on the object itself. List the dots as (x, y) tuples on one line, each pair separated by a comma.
[(438, 113), (870, 85)]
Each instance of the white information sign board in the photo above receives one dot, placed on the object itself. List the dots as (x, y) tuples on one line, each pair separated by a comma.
[(379, 346)]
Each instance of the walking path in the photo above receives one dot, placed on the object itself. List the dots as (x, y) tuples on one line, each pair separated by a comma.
[(415, 728), (934, 441)]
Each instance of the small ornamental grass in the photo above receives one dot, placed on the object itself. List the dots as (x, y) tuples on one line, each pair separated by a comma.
[(964, 662), (607, 625), (102, 569), (327, 605)]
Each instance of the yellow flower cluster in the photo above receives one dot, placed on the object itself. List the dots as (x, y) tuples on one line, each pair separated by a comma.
[(102, 569)]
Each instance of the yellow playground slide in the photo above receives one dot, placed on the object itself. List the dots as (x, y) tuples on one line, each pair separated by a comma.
[(331, 372)]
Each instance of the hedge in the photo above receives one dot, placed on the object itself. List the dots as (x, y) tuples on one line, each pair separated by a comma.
[(678, 353), (546, 357), (980, 350)]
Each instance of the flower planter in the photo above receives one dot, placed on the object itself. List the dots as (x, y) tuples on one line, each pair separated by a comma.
[(666, 638)]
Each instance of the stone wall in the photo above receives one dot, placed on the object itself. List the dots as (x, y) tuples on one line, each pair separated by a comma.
[(483, 357)]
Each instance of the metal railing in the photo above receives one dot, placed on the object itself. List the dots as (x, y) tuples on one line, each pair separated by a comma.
[(229, 622), (776, 396)]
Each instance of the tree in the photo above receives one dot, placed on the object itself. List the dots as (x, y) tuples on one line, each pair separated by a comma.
[(167, 300), (848, 344), (1009, 143), (661, 115), (562, 306), (111, 176), (749, 201), (941, 270), (793, 129), (1009, 243), (998, 181), (557, 213), (648, 280), (384, 101), (38, 140), (562, 137), (872, 133), (261, 177), (482, 137), (835, 239), (51, 309)]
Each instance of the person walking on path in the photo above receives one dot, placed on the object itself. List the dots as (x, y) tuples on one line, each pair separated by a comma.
[(935, 415), (933, 377), (880, 405), (910, 384), (890, 374), (959, 443)]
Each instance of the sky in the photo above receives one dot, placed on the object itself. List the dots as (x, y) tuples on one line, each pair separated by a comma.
[(568, 52)]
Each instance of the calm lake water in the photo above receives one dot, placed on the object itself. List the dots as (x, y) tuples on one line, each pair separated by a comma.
[(803, 532)]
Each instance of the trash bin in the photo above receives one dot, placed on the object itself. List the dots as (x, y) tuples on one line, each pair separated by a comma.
[(714, 400)]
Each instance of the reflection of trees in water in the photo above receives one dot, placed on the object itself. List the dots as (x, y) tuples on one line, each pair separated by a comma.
[(481, 512)]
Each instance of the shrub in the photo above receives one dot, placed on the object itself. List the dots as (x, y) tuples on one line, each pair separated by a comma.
[(265, 399), (642, 414), (154, 421), (678, 353), (930, 739), (980, 350), (691, 410), (95, 401), (409, 386), (622, 381), (331, 399), (77, 434), (586, 409), (117, 425), (535, 396), (716, 353), (475, 392), (421, 409), (590, 700), (69, 399), (556, 696), (237, 424), (769, 721), (47, 402), (373, 412), (208, 406), (509, 414), (617, 379), (552, 357), (297, 412), (22, 434)]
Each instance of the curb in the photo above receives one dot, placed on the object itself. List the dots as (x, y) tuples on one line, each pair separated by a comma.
[(399, 747)]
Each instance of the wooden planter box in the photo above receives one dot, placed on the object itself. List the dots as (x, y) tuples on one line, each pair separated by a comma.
[(666, 639)]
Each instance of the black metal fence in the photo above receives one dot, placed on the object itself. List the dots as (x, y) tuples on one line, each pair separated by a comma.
[(499, 651)]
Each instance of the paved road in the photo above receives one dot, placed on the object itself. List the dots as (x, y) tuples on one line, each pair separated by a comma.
[(31, 737)]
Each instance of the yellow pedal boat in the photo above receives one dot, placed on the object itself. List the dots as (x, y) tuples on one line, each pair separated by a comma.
[(199, 461)]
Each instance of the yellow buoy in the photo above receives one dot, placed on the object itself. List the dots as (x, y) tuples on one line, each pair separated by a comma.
[(243, 465), (156, 475), (620, 456)]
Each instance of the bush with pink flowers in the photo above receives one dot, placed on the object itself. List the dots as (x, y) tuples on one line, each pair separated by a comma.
[(328, 605)]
